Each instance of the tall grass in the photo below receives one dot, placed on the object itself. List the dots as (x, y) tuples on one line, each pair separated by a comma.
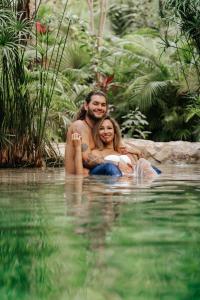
[(24, 102)]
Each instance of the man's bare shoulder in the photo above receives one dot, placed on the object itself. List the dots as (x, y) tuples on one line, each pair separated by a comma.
[(78, 125)]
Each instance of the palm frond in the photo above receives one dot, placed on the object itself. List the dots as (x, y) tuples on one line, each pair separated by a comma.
[(145, 91), (74, 57)]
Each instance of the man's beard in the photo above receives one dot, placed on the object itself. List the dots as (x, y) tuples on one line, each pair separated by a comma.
[(92, 116)]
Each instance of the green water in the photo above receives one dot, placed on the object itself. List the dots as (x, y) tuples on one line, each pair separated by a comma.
[(98, 238)]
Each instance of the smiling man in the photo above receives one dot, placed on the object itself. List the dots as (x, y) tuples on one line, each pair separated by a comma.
[(94, 108)]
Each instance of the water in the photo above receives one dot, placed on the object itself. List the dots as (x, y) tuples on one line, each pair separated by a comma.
[(99, 238)]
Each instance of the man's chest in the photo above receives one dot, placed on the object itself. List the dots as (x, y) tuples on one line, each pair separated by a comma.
[(91, 141)]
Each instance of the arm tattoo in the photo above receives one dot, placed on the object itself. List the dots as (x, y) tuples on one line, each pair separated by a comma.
[(92, 161), (84, 147)]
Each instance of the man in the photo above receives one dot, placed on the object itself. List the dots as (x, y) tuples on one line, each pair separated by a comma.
[(94, 108)]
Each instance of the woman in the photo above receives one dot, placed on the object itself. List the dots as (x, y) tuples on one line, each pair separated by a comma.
[(107, 139)]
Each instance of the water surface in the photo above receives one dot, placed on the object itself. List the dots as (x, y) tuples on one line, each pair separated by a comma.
[(99, 238)]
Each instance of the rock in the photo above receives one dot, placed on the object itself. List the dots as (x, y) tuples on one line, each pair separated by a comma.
[(167, 152), (61, 149)]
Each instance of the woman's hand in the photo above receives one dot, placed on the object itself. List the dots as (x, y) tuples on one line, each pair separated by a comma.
[(125, 168), (76, 140)]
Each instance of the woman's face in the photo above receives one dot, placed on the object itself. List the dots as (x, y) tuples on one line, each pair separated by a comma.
[(106, 132)]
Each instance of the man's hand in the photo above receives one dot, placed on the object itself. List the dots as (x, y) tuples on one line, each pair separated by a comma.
[(92, 161), (124, 149)]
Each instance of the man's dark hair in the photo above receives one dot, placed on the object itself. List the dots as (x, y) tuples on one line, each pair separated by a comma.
[(82, 112)]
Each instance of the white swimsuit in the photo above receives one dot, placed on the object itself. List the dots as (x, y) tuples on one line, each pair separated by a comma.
[(118, 158), (141, 169)]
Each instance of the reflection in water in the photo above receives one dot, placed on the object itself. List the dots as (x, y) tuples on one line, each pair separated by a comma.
[(99, 238), (37, 246), (94, 212), (23, 241)]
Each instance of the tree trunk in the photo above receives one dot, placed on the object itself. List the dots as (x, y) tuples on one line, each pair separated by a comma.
[(91, 15), (23, 6), (102, 20)]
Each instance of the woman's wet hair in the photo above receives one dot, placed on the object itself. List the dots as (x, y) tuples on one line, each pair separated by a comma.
[(117, 134), (82, 112)]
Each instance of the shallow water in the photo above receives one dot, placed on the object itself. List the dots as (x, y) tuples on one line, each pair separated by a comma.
[(99, 238)]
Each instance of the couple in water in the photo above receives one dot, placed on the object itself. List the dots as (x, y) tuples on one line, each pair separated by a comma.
[(94, 144)]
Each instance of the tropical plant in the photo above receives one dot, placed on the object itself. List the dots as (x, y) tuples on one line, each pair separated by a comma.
[(184, 16), (134, 124), (187, 13), (193, 114), (128, 15), (120, 18), (24, 113), (63, 110)]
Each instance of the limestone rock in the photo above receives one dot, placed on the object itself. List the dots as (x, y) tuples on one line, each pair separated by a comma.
[(167, 152)]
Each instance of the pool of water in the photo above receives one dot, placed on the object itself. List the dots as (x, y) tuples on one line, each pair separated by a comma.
[(99, 238)]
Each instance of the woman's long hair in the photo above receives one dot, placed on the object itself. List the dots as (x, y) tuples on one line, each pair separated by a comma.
[(82, 112), (117, 134)]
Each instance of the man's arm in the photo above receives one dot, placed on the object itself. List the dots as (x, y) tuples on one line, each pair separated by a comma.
[(89, 160), (94, 159), (127, 149)]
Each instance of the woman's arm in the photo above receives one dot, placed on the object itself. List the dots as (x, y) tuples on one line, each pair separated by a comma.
[(76, 141)]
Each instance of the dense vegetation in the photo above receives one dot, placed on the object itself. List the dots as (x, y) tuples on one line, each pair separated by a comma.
[(146, 57)]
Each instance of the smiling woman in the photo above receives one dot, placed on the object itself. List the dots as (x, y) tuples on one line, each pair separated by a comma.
[(107, 134)]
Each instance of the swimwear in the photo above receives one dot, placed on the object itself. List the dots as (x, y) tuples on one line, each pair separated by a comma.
[(142, 168)]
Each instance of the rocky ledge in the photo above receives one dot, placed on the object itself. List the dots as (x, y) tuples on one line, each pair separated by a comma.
[(167, 152), (162, 152)]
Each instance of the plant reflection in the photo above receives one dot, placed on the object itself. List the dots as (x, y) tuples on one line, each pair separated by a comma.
[(38, 249)]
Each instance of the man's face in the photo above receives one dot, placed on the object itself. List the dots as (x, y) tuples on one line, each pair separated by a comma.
[(97, 107)]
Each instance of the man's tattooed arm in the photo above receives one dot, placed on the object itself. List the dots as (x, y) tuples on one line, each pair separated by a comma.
[(93, 160), (84, 147)]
